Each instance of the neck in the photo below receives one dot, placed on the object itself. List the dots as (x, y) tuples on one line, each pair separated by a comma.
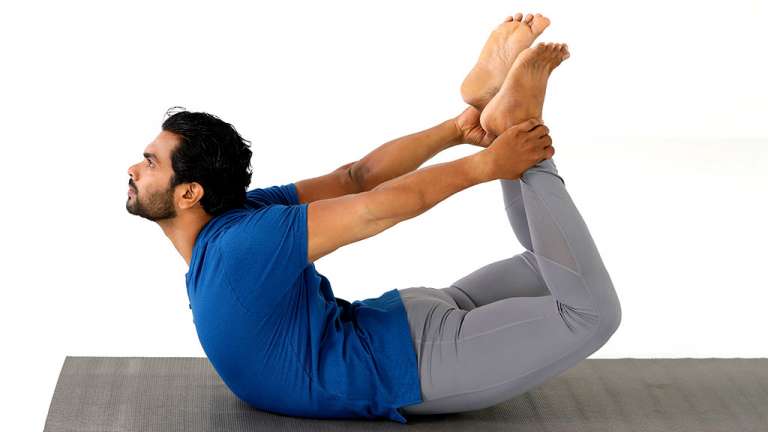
[(183, 230)]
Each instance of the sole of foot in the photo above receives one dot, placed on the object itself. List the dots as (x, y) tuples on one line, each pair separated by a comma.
[(521, 96), (507, 40)]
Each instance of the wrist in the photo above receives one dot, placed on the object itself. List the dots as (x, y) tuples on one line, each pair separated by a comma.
[(455, 133), (482, 166)]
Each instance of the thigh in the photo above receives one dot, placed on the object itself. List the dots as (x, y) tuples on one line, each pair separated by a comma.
[(518, 276), (475, 359), (426, 308), (433, 318)]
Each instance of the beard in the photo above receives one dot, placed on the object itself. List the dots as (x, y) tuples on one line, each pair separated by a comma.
[(156, 207)]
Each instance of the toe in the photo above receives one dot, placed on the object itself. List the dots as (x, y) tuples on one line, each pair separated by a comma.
[(552, 52), (518, 16), (539, 23), (528, 19), (508, 19), (559, 53)]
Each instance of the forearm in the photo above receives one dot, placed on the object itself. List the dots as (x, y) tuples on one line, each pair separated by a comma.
[(414, 193), (403, 155)]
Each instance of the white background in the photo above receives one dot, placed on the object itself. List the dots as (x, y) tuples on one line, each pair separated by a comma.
[(658, 120)]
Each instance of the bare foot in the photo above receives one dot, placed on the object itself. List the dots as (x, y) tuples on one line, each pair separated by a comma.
[(522, 95), (502, 47)]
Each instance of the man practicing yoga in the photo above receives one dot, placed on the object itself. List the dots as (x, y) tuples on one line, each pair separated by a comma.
[(269, 322)]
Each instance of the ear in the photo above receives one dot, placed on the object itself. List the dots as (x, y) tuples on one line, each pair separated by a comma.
[(191, 195)]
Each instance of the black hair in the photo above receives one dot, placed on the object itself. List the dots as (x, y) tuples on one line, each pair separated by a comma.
[(213, 154)]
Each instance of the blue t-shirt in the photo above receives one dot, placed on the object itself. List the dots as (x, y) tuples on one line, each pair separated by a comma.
[(275, 333)]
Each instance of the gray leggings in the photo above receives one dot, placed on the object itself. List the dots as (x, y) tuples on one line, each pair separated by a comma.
[(513, 324)]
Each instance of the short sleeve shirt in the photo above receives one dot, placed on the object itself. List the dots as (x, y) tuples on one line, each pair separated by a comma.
[(273, 330)]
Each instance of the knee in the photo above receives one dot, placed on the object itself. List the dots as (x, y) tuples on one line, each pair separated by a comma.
[(610, 319)]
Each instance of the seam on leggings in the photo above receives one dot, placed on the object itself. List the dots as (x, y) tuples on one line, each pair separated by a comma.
[(583, 282), (566, 268), (567, 243), (519, 376), (438, 342), (535, 270), (559, 228)]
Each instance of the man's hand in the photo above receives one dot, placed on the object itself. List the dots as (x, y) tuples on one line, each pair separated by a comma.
[(517, 149), (468, 123)]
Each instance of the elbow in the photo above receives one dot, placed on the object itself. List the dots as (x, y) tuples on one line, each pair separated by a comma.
[(356, 172)]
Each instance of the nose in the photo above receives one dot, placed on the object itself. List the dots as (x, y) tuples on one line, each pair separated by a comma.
[(132, 172)]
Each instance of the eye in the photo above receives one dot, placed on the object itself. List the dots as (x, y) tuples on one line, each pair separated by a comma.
[(149, 162)]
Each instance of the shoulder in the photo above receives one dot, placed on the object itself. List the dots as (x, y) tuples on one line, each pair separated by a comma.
[(285, 194), (266, 230)]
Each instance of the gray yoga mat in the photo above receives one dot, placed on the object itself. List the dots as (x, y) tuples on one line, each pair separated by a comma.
[(185, 394)]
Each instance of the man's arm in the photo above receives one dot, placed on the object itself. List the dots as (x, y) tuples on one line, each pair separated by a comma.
[(403, 155), (390, 160), (336, 222), (334, 184)]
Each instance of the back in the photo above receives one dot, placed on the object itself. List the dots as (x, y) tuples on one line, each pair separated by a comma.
[(276, 334)]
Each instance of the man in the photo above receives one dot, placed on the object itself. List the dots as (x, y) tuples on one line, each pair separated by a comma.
[(269, 322)]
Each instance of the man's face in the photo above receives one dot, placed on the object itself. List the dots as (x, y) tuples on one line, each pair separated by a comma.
[(149, 194)]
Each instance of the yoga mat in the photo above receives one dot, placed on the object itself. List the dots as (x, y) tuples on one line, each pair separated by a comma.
[(184, 394)]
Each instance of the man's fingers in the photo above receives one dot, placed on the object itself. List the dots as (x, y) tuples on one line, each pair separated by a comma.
[(540, 130), (521, 127), (547, 152), (546, 140), (527, 125)]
